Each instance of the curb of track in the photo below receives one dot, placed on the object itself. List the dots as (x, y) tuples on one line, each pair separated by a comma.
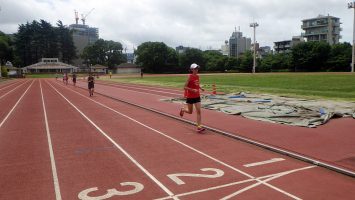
[(244, 139)]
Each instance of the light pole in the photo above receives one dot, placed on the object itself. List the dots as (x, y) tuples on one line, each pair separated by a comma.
[(254, 25), (352, 5)]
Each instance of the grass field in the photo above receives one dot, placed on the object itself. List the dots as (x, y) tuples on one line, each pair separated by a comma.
[(336, 86)]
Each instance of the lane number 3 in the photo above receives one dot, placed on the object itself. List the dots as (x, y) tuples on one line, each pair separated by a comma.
[(84, 195)]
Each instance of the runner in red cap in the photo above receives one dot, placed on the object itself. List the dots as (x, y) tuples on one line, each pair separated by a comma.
[(192, 91)]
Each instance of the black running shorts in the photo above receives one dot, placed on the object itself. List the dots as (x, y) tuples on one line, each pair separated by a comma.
[(193, 100)]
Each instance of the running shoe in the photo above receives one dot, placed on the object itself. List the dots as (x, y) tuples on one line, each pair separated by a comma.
[(200, 129), (181, 112)]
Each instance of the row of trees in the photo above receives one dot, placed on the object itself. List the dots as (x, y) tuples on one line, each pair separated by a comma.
[(37, 40), (40, 39), (309, 56)]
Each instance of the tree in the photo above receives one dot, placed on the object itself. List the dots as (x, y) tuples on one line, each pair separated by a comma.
[(66, 43), (6, 51), (154, 56), (191, 55), (232, 63), (310, 56), (37, 40), (104, 52), (214, 60), (246, 62), (340, 57)]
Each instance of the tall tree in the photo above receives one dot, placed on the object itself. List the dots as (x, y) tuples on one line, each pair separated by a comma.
[(340, 57), (6, 51), (66, 43), (104, 52), (190, 56), (310, 56), (215, 61), (246, 63), (153, 56)]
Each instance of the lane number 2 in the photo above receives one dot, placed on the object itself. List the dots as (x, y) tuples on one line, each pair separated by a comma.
[(84, 195), (177, 180)]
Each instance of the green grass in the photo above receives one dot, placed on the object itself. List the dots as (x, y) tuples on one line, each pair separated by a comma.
[(336, 86)]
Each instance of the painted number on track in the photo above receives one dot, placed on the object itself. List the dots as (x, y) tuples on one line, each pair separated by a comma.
[(177, 180), (84, 195)]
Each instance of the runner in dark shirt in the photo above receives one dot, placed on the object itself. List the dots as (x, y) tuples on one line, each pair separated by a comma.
[(74, 79), (91, 84)]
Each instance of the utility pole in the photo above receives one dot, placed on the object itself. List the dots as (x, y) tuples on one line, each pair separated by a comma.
[(254, 25), (352, 5)]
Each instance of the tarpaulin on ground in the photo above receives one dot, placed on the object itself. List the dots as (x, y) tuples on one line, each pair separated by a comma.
[(278, 109)]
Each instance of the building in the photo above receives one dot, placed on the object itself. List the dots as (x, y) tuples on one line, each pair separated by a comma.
[(100, 69), (83, 35), (322, 28), (264, 51), (238, 44), (282, 46), (181, 49), (225, 48), (49, 65), (286, 45), (130, 58), (127, 68)]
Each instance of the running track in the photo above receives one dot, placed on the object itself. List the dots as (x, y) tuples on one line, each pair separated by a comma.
[(58, 143)]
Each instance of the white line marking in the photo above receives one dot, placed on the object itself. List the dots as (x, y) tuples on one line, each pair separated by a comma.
[(13, 108), (9, 85), (11, 90), (265, 181), (108, 85), (54, 168), (237, 183), (183, 144), (144, 89), (264, 162), (119, 147)]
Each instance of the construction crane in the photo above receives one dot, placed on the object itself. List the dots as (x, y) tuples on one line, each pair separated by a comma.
[(83, 17), (76, 17)]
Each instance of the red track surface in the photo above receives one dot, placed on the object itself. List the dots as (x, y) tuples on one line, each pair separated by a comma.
[(58, 143)]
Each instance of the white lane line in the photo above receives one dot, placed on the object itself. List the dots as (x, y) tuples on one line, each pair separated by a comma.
[(13, 108), (50, 146), (144, 89), (9, 85), (264, 162), (179, 142), (119, 147), (277, 175), (11, 90), (267, 180)]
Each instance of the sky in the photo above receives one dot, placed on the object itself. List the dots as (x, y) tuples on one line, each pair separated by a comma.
[(203, 24)]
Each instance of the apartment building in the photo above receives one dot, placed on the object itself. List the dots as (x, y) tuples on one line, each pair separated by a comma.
[(322, 28)]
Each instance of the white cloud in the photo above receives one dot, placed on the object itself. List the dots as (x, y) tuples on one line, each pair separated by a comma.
[(195, 23)]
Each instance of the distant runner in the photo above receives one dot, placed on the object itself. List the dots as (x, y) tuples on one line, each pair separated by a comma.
[(65, 78), (74, 79), (192, 91), (91, 84)]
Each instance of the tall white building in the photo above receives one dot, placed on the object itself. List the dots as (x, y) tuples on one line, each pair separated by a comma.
[(225, 48), (238, 44), (322, 28)]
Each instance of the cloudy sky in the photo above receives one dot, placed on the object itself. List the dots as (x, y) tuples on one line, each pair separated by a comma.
[(203, 24)]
